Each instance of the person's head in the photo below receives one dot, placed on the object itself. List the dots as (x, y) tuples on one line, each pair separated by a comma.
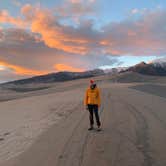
[(92, 84)]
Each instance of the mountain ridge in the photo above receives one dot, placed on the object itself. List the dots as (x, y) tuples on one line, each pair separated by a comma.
[(152, 69), (58, 77)]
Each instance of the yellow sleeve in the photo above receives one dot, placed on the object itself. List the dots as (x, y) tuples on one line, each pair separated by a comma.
[(86, 98), (99, 99)]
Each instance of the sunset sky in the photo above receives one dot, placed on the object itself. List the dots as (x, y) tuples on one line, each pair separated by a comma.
[(43, 36)]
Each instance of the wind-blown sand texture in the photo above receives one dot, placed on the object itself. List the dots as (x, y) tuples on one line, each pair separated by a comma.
[(159, 90), (50, 128)]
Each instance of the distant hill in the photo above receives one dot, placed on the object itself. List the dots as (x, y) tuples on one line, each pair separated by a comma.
[(130, 77), (58, 77), (155, 69), (115, 70), (131, 74)]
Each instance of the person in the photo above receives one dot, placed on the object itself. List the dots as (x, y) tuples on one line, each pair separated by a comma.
[(92, 103)]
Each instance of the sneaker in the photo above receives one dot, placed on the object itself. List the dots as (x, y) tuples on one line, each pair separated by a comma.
[(99, 128), (91, 128)]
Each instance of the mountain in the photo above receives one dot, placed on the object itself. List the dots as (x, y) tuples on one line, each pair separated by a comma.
[(154, 68), (160, 64), (115, 70), (58, 77)]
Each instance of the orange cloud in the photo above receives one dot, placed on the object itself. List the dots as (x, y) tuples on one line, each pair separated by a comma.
[(64, 67), (104, 43), (134, 37), (6, 18), (54, 37), (53, 34), (21, 70), (131, 33)]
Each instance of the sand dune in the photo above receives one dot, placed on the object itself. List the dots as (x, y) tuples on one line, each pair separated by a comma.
[(159, 90), (49, 127), (133, 77), (22, 120)]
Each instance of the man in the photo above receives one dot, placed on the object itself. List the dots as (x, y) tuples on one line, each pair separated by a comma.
[(92, 103)]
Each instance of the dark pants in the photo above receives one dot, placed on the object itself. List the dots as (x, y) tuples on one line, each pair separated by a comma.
[(93, 109)]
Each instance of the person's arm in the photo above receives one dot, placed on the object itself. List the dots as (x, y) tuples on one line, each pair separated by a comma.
[(86, 98)]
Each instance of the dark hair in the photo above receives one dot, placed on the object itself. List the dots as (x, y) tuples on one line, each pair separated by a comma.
[(93, 86)]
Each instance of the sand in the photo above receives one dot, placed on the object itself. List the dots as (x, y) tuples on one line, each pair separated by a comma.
[(159, 90), (22, 120), (51, 129)]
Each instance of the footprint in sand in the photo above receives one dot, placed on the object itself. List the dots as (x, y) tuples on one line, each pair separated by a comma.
[(2, 139), (7, 133)]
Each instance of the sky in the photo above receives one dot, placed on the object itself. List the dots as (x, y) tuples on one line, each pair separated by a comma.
[(45, 36)]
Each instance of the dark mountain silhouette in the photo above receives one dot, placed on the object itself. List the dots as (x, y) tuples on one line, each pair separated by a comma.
[(152, 69), (58, 77), (155, 69)]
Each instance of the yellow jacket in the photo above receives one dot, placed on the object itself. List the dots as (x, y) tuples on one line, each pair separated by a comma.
[(92, 96)]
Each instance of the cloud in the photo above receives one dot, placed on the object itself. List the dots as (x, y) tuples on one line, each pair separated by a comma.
[(53, 34), (7, 75), (6, 18), (134, 11), (159, 60), (47, 44), (22, 48), (20, 70), (144, 36), (64, 67), (19, 36), (142, 11), (76, 8)]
